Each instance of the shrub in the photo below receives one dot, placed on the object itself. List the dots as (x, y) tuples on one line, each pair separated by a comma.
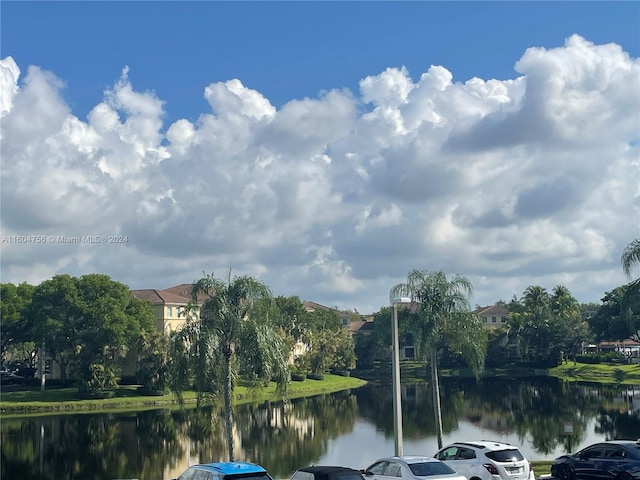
[(315, 376), (298, 377)]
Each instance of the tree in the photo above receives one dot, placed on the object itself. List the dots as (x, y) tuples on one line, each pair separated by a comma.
[(443, 318), (14, 302), (229, 340), (631, 257), (87, 325)]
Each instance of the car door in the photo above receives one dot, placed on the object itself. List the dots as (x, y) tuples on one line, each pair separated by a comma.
[(612, 462), (458, 458), (587, 464)]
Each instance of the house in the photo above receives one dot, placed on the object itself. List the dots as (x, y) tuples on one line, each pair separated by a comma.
[(169, 305), (493, 317), (345, 318)]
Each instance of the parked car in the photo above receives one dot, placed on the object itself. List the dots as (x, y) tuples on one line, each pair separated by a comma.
[(318, 472), (410, 467), (486, 460), (613, 459), (10, 378), (225, 471)]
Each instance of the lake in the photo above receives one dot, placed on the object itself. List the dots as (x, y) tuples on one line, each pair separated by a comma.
[(351, 428)]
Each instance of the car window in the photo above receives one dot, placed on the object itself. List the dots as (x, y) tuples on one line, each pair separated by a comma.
[(594, 452), (510, 455), (377, 468), (300, 475), (448, 453), (466, 454), (614, 452), (392, 470), (426, 469), (188, 474), (203, 475)]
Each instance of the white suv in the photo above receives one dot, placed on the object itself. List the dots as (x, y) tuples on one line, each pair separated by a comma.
[(484, 460)]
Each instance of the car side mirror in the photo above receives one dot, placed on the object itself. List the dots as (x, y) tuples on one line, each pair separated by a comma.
[(366, 472)]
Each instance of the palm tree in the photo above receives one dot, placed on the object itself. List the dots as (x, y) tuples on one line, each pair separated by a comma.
[(563, 304), (230, 341), (536, 300), (443, 318), (631, 257)]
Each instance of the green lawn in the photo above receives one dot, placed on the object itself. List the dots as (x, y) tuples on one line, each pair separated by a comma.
[(622, 373), (60, 400)]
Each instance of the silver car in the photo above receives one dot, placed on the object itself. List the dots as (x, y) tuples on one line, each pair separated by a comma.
[(410, 467)]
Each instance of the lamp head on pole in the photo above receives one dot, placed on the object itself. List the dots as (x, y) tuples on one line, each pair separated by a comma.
[(399, 300)]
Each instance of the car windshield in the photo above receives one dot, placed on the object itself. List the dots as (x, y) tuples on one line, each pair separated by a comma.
[(427, 469), (512, 455)]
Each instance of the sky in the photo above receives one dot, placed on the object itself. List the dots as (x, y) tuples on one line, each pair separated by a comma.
[(325, 148)]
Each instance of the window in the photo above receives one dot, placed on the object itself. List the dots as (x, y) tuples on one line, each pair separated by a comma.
[(203, 475), (484, 319), (504, 319), (447, 454), (466, 454), (377, 468), (493, 319), (392, 470), (188, 475), (169, 311), (511, 455), (299, 475), (409, 352), (427, 469)]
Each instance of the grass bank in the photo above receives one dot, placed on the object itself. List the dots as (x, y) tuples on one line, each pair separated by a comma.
[(623, 373), (65, 400), (541, 467), (604, 373)]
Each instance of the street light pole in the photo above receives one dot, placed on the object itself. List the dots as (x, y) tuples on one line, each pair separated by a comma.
[(397, 397)]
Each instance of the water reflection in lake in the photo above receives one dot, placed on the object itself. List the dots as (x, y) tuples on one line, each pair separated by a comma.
[(351, 428)]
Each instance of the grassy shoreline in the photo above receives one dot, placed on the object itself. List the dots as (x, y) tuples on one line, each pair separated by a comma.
[(31, 401), (65, 400)]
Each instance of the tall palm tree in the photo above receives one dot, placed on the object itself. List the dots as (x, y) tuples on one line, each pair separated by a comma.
[(229, 340), (443, 318), (563, 304), (536, 300), (631, 258)]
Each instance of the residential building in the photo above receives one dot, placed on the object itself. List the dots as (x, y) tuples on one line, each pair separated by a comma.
[(493, 317), (169, 305)]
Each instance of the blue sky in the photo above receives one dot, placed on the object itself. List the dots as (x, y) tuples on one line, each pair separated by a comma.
[(289, 50), (324, 147)]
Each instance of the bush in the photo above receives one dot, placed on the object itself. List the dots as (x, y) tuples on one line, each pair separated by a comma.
[(315, 376), (342, 373), (298, 377)]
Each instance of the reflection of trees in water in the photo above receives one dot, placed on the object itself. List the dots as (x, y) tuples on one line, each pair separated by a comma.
[(286, 436), (376, 401), (533, 409)]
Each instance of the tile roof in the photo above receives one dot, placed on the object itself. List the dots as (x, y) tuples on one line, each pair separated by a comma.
[(179, 294), (492, 310)]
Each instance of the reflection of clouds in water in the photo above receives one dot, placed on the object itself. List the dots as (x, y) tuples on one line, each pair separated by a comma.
[(365, 444)]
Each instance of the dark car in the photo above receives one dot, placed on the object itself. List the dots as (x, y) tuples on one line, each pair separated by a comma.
[(317, 472), (225, 471), (10, 378), (610, 460)]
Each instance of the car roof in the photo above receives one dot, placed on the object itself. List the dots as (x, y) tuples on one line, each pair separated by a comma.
[(327, 469), (488, 444), (232, 468), (409, 459)]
